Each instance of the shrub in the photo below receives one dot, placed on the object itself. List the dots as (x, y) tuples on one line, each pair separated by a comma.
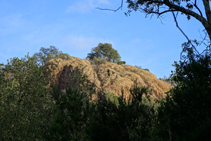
[(127, 120), (146, 69), (98, 61), (121, 62)]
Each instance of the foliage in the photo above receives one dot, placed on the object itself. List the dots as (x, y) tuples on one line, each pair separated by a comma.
[(161, 7), (30, 110), (64, 56), (153, 7), (104, 51), (113, 118), (98, 61), (190, 8), (25, 106), (111, 97), (71, 117), (146, 69), (169, 79), (121, 62), (185, 113), (127, 120), (47, 54)]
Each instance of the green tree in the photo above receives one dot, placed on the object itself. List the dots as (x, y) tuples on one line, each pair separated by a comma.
[(104, 51), (64, 56), (71, 118), (25, 104), (47, 54), (186, 114)]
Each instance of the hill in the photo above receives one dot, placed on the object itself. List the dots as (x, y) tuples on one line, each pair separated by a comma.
[(109, 77)]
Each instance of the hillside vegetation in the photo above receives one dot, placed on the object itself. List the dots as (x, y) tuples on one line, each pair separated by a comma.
[(67, 98)]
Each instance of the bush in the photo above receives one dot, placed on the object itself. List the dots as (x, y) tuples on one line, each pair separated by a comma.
[(71, 117), (146, 69), (121, 62), (127, 120), (109, 118)]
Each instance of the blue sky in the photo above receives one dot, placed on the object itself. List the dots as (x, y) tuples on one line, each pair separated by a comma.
[(76, 26)]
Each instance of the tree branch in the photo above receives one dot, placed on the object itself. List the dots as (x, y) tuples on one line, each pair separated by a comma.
[(162, 12), (207, 10), (177, 25), (183, 10), (153, 7), (120, 7), (198, 9)]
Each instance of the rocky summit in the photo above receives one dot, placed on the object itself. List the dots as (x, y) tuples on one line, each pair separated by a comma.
[(109, 77)]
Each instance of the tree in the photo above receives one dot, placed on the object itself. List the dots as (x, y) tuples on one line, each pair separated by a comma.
[(185, 113), (47, 54), (71, 116), (25, 103), (104, 51), (189, 7), (160, 7)]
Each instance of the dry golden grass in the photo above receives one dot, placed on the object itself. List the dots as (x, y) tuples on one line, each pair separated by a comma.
[(119, 76)]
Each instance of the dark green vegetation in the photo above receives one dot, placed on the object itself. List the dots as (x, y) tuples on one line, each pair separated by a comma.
[(31, 111)]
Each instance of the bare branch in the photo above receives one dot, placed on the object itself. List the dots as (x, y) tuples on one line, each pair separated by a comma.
[(120, 7), (189, 41), (203, 39), (163, 12), (155, 6), (198, 9), (207, 10)]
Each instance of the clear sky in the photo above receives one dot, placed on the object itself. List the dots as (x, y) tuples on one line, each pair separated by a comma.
[(76, 26)]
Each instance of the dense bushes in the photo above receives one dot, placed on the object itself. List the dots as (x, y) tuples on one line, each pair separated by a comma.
[(25, 104), (186, 112), (108, 118)]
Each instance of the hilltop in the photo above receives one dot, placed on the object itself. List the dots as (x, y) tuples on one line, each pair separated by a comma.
[(106, 76)]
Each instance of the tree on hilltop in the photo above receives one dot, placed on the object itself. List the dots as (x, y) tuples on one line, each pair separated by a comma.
[(104, 51), (47, 54)]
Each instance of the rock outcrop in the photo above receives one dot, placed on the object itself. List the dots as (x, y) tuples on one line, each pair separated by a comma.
[(110, 77)]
